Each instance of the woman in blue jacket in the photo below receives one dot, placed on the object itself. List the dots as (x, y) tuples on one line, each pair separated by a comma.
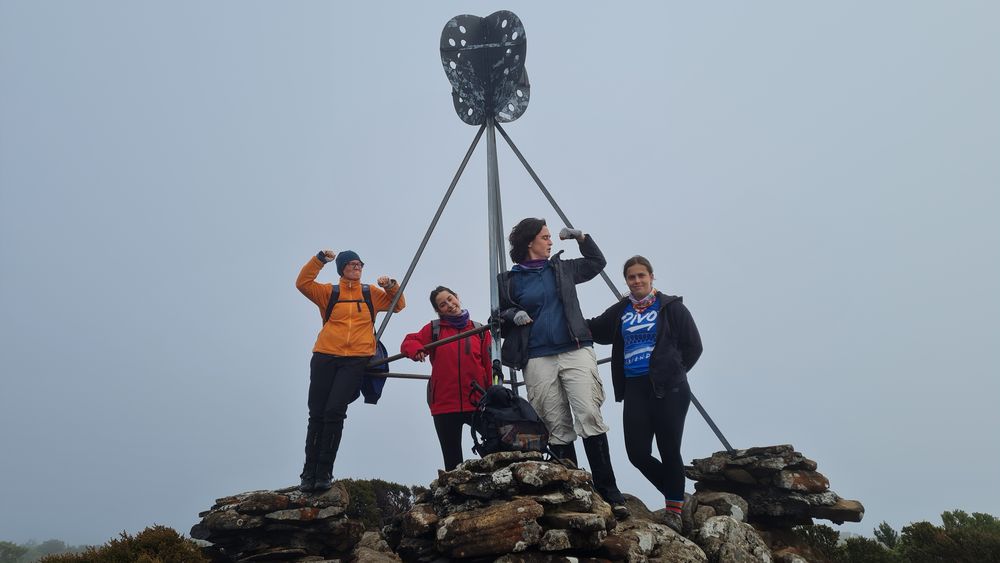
[(546, 336), (654, 343)]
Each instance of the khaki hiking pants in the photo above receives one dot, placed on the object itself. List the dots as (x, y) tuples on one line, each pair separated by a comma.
[(564, 388)]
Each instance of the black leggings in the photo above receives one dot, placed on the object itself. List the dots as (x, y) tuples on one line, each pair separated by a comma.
[(333, 383), (646, 417), (449, 428)]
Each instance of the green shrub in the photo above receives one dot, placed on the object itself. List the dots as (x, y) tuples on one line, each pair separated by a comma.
[(155, 544), (375, 502)]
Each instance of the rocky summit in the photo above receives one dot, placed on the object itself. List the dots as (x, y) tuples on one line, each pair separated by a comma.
[(518, 508)]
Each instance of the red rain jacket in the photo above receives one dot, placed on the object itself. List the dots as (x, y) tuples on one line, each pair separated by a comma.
[(454, 366)]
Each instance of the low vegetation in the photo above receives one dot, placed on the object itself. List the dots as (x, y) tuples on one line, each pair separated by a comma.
[(961, 538)]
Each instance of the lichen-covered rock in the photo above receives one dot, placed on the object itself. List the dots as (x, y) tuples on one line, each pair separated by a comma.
[(780, 485), (801, 481), (373, 549), (419, 521), (642, 539), (788, 555), (497, 460), (702, 515), (281, 525), (839, 512), (582, 521), (505, 528), (724, 504), (726, 540)]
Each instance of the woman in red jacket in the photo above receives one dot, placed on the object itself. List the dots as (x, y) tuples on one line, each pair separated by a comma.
[(454, 367)]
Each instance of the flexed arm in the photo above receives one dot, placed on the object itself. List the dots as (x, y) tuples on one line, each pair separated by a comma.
[(593, 260), (382, 298), (318, 293)]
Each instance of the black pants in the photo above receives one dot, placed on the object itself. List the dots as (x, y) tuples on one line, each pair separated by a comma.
[(449, 427), (333, 383), (646, 417)]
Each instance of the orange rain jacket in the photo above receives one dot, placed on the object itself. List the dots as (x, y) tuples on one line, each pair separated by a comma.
[(350, 331)]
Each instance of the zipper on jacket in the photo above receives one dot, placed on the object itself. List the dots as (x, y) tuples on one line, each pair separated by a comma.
[(461, 403)]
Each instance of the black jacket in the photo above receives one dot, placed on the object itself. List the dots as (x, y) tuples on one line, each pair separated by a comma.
[(678, 344), (514, 351)]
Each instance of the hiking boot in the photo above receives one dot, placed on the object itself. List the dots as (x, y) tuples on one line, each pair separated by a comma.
[(308, 477), (565, 453), (673, 521), (620, 510), (324, 477), (599, 456)]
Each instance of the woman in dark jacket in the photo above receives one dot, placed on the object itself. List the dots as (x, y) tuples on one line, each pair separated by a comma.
[(654, 343), (546, 336), (455, 366)]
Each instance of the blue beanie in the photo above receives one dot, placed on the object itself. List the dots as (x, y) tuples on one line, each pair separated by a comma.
[(343, 258)]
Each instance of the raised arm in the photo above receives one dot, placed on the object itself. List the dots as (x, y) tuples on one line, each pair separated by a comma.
[(318, 293), (593, 261), (386, 291)]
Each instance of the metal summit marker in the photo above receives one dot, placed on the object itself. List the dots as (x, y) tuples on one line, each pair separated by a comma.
[(484, 61)]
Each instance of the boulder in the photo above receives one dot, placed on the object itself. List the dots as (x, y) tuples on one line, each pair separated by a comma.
[(727, 540)]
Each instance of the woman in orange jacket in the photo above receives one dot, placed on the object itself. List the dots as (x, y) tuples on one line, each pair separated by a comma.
[(344, 346), (456, 366)]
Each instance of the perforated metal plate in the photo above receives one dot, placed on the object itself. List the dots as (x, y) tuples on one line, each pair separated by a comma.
[(484, 61)]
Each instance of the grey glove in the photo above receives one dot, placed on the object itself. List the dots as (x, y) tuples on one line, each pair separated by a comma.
[(566, 233), (521, 318)]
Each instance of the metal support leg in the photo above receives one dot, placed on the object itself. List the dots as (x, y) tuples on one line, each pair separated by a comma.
[(430, 229)]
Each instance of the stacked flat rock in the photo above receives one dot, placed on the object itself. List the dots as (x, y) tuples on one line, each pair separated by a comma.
[(281, 525), (507, 502), (780, 486)]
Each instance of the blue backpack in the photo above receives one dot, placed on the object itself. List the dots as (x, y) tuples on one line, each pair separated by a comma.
[(371, 386)]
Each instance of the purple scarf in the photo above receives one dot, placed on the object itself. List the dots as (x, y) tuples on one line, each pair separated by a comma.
[(456, 321), (533, 264)]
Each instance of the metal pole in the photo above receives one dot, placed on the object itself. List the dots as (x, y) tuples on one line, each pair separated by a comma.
[(430, 229), (432, 345), (502, 266), (493, 200), (541, 186)]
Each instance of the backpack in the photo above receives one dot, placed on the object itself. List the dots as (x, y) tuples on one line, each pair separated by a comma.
[(506, 423), (371, 387)]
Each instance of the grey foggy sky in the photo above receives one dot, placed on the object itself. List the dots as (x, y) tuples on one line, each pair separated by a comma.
[(819, 181)]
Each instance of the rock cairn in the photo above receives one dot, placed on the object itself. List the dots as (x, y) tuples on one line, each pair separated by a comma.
[(507, 502), (517, 508), (780, 486), (284, 525)]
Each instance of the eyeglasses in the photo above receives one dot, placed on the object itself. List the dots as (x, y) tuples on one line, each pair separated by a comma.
[(355, 264)]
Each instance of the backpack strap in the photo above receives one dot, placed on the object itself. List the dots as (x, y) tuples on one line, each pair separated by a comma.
[(435, 330), (334, 297), (366, 293)]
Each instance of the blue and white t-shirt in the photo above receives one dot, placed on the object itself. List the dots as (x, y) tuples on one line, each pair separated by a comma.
[(639, 334)]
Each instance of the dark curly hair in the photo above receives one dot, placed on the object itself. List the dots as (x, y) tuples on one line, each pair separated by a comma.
[(640, 260), (435, 292), (521, 236)]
